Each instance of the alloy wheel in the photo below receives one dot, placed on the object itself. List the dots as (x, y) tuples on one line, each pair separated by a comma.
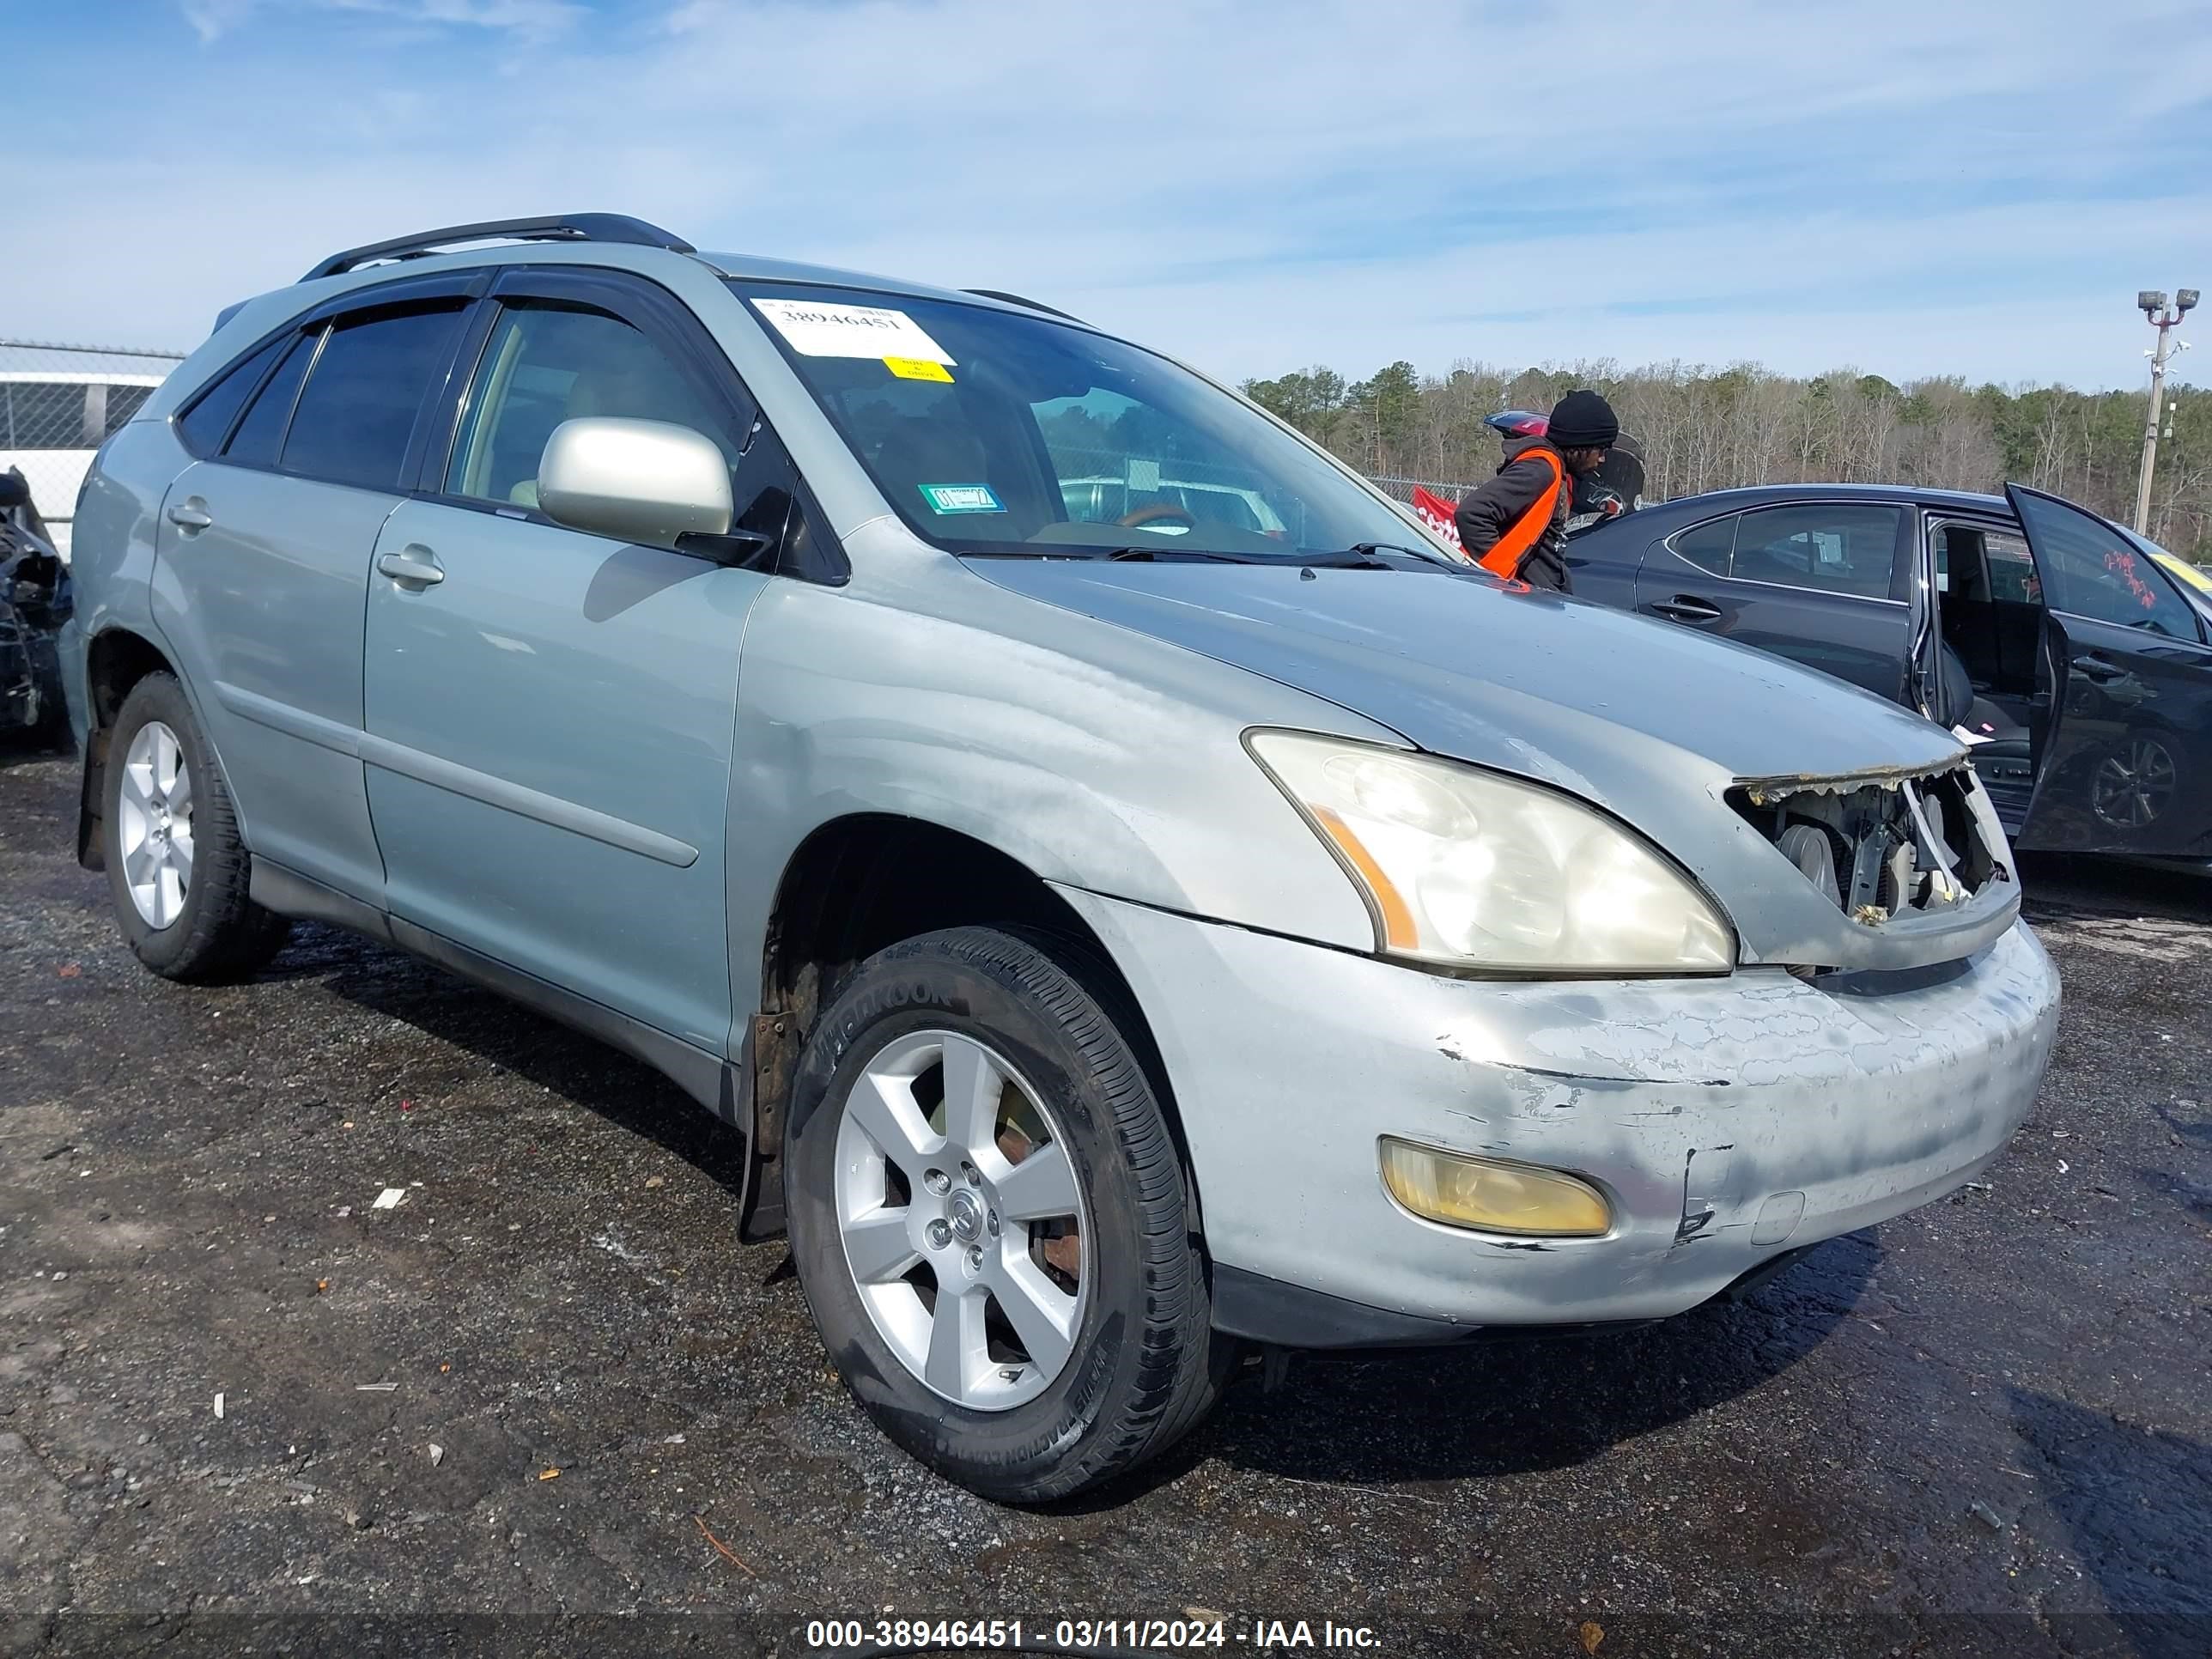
[(962, 1220), (2133, 784), (154, 824)]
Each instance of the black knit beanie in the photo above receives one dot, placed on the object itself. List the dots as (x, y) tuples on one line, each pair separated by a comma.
[(1582, 420)]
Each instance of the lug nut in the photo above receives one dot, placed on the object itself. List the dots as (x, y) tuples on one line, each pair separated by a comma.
[(940, 1235), (937, 1180), (992, 1220), (974, 1258), (973, 1180)]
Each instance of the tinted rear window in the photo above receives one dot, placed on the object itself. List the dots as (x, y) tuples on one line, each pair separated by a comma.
[(208, 420), (358, 410), (255, 441)]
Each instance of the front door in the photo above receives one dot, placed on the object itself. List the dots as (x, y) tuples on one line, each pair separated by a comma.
[(550, 713), (1824, 583), (2126, 764)]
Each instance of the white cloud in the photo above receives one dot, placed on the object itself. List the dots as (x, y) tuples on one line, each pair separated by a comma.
[(211, 19), (1253, 184)]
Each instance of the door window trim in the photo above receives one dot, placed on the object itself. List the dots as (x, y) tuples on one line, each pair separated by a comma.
[(636, 301), (469, 283), (1900, 558), (664, 318)]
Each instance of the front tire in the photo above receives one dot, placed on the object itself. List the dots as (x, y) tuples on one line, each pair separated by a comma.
[(176, 868), (989, 1221)]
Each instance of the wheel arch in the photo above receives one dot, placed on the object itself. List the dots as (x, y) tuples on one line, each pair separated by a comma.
[(847, 891), (115, 660)]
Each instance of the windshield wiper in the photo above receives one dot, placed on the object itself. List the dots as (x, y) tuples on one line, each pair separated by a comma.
[(1175, 555), (1367, 556)]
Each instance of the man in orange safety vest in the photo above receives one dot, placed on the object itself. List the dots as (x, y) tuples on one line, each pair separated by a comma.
[(1514, 526)]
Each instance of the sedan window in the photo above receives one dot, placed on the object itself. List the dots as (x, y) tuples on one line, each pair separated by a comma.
[(1829, 547), (1709, 545), (2093, 569)]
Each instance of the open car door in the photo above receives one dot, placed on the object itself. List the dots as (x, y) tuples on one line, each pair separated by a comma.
[(2123, 754)]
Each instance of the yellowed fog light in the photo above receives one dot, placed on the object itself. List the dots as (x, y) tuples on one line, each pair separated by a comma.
[(1491, 1195)]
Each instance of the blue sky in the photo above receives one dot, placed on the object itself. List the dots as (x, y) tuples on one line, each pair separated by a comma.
[(1945, 187)]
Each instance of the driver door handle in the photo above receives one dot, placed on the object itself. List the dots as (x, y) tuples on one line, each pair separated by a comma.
[(413, 566), (2099, 668), (190, 515), (1684, 608)]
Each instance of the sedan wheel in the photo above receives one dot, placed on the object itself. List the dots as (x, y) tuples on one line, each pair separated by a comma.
[(154, 824), (2133, 784)]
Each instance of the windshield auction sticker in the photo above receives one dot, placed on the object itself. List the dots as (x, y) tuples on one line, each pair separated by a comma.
[(820, 328)]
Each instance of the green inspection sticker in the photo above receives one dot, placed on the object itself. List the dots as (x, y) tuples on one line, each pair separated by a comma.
[(960, 498)]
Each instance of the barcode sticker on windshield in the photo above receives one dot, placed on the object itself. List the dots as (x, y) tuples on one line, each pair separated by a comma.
[(819, 328)]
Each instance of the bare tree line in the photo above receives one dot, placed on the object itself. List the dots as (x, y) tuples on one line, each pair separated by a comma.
[(1707, 428)]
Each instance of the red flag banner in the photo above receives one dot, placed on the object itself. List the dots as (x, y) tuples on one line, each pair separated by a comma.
[(1435, 512)]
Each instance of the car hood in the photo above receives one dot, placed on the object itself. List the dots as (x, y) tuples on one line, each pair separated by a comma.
[(1646, 719), (1554, 688)]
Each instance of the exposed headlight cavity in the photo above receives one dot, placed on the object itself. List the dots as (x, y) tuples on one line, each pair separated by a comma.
[(1466, 868)]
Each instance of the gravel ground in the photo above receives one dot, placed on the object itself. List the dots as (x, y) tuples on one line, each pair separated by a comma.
[(241, 1409)]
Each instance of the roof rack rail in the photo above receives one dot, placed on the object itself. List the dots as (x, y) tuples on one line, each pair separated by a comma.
[(1016, 299), (562, 227)]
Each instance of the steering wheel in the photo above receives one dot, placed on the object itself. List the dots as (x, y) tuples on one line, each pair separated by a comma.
[(1154, 513)]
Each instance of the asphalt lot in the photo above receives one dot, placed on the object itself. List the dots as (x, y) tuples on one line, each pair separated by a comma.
[(1985, 1428)]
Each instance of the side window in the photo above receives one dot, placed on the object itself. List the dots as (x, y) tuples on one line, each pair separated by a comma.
[(358, 408), (1826, 547), (258, 435), (2090, 569), (1708, 546), (546, 364), (2012, 568), (207, 422)]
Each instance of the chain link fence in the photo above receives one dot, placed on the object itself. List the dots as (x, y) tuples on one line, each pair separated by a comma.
[(58, 404), (1401, 489)]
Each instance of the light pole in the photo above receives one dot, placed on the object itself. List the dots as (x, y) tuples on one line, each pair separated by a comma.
[(2152, 303)]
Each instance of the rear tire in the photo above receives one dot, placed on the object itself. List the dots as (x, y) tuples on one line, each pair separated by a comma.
[(177, 870), (931, 1209)]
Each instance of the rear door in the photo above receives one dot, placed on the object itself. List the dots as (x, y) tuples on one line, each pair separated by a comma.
[(262, 559), (2125, 765), (1826, 584)]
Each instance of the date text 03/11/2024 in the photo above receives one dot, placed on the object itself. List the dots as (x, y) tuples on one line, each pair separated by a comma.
[(1083, 1636)]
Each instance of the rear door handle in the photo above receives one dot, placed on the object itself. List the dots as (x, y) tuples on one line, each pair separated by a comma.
[(412, 565), (1683, 608), (2101, 668), (191, 514)]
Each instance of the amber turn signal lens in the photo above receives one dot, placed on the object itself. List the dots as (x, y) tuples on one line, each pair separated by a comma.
[(1492, 1196)]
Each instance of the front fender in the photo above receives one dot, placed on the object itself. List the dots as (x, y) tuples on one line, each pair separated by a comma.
[(1096, 758)]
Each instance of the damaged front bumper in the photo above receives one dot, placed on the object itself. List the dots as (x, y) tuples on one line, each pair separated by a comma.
[(1727, 1121)]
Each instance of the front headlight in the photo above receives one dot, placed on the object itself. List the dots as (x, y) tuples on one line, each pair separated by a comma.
[(1468, 869)]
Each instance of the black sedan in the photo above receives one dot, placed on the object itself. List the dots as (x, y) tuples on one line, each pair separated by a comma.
[(2048, 637)]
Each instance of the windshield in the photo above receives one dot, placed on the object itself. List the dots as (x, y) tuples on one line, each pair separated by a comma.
[(996, 431)]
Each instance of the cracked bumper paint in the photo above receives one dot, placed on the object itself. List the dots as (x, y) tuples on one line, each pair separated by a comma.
[(1727, 1119)]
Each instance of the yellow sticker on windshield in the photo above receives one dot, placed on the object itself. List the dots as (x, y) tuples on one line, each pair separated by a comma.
[(918, 368)]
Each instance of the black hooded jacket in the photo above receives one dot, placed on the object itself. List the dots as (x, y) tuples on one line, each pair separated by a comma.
[(1490, 510)]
